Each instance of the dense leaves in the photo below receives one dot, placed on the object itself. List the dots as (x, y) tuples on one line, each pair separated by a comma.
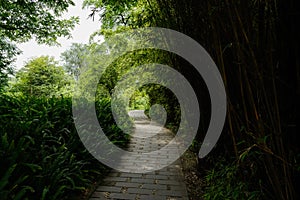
[(75, 59), (41, 154), (8, 51), (42, 77), (254, 43), (112, 13), (259, 71), (22, 20)]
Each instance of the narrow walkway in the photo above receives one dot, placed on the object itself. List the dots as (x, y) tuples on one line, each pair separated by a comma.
[(164, 184)]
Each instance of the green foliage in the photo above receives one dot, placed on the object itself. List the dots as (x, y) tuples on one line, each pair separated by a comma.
[(41, 154), (100, 54), (229, 182), (112, 12), (42, 77), (115, 135), (23, 20), (75, 59), (247, 40), (8, 51), (139, 100)]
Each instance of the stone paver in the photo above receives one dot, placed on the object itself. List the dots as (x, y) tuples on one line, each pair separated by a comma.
[(165, 184)]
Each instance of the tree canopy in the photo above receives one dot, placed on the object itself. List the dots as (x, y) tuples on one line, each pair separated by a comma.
[(8, 51), (42, 77), (22, 20), (74, 59)]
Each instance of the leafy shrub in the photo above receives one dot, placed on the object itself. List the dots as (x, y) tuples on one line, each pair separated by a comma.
[(106, 120), (41, 154), (225, 182)]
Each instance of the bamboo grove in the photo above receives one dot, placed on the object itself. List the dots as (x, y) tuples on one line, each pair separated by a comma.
[(255, 46), (254, 43)]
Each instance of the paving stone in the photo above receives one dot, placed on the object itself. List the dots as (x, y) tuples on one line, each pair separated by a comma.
[(117, 179), (175, 188), (160, 177), (122, 196), (169, 182), (139, 191), (108, 189), (164, 184), (141, 180), (154, 186), (176, 198), (128, 184), (170, 193), (132, 175), (167, 173), (152, 197)]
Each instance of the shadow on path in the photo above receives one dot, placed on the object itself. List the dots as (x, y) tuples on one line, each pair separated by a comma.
[(166, 184)]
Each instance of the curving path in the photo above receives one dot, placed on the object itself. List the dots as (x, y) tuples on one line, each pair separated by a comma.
[(164, 184)]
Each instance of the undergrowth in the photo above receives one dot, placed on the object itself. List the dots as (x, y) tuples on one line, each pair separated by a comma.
[(41, 154)]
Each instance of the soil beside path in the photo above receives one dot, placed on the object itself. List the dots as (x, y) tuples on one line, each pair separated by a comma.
[(165, 184)]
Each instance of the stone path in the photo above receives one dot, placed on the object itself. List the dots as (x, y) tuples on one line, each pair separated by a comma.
[(164, 184)]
